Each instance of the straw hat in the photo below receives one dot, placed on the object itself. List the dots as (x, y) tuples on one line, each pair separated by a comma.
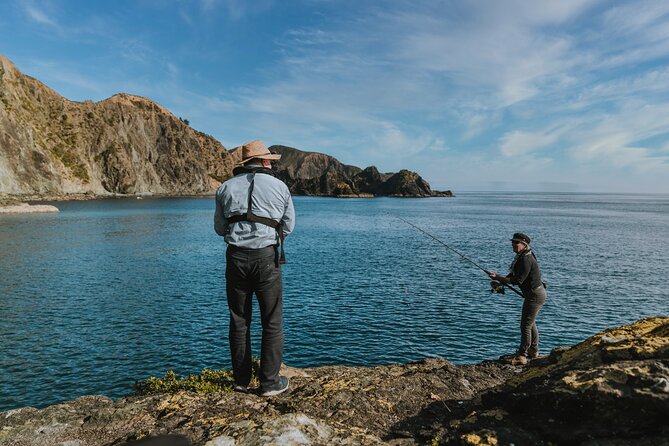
[(257, 149)]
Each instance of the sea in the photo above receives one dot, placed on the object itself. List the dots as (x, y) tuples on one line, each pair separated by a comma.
[(110, 292)]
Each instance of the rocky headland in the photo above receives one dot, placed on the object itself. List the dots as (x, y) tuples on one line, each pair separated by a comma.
[(312, 173), (611, 389), (54, 148)]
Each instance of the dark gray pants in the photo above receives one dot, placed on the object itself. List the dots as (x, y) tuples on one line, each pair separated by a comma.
[(529, 335), (251, 271)]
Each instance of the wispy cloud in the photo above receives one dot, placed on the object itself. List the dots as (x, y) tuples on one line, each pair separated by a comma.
[(617, 139), (521, 143), (466, 65), (235, 9), (39, 16)]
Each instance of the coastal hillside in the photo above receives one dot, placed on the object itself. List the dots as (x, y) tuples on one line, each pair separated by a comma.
[(125, 144), (610, 389)]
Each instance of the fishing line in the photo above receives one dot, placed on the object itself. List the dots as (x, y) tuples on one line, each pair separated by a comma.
[(457, 252)]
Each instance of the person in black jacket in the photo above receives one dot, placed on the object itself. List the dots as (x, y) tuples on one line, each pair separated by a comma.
[(525, 272)]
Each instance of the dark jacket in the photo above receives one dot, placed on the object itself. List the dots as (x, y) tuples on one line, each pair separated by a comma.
[(525, 271)]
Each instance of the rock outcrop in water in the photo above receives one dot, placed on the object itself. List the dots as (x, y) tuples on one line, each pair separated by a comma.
[(312, 173), (611, 389), (26, 208)]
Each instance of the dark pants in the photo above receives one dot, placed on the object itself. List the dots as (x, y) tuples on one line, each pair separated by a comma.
[(529, 335), (248, 271)]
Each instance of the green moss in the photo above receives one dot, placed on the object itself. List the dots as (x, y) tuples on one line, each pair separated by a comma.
[(407, 175), (26, 104), (209, 381), (6, 103), (81, 172), (72, 161)]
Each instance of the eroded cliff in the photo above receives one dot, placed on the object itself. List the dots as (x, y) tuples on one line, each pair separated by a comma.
[(122, 145)]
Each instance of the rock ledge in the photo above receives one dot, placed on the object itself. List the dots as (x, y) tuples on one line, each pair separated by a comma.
[(25, 208), (612, 389)]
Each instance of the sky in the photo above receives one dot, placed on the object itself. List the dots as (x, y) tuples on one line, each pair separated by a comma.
[(489, 95)]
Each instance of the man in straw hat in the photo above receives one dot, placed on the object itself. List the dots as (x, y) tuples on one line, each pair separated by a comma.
[(525, 272), (254, 213)]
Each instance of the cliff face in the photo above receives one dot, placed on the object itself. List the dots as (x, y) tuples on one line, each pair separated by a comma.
[(611, 389), (125, 144), (311, 173)]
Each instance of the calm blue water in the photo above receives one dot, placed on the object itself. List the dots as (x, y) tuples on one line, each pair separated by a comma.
[(109, 292)]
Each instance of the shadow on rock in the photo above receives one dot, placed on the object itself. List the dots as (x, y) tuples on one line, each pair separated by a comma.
[(611, 389)]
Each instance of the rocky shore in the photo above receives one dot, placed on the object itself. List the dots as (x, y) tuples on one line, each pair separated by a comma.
[(11, 205), (25, 208), (611, 389)]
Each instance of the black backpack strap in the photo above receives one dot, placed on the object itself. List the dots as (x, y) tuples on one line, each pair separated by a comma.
[(250, 216)]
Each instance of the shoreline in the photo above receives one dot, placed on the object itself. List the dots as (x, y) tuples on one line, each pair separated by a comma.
[(9, 200), (26, 208), (611, 385)]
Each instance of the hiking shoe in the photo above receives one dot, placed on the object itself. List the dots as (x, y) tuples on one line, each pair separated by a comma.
[(519, 360), (532, 355), (278, 388), (240, 388)]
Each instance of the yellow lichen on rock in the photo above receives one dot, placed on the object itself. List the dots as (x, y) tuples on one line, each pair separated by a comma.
[(579, 382), (481, 438), (385, 404), (645, 338), (336, 385), (174, 403)]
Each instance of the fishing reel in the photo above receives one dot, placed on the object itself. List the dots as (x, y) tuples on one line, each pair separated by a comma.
[(496, 287)]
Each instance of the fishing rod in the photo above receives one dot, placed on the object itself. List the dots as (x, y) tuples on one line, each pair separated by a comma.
[(495, 287)]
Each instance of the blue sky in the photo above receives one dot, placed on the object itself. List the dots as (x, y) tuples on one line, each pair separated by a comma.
[(569, 95)]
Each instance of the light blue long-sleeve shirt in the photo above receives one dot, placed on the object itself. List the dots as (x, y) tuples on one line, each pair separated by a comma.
[(271, 199)]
